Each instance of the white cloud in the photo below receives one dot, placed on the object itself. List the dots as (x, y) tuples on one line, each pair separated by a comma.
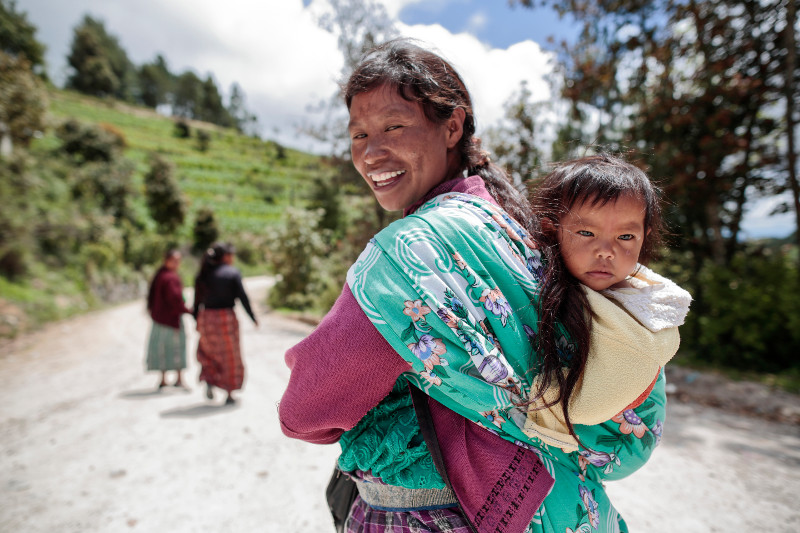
[(275, 51), (492, 75)]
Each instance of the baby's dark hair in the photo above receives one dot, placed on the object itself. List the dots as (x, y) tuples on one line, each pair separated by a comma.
[(600, 179), (597, 179)]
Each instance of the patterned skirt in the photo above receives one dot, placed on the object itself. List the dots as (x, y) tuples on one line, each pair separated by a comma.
[(366, 519), (166, 348), (218, 349)]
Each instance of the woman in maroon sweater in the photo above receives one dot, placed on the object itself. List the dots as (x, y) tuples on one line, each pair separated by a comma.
[(166, 348)]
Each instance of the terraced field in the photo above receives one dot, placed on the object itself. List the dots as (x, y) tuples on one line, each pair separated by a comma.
[(246, 181)]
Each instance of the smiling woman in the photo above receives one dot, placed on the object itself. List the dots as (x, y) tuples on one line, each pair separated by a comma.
[(412, 140), (399, 152), (446, 301)]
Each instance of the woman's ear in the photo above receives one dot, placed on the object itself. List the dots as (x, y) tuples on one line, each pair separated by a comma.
[(455, 127)]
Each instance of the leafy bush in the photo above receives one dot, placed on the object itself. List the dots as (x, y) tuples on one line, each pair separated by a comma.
[(142, 248), (294, 251), (23, 100), (90, 142), (16, 216), (108, 184), (205, 229), (164, 199), (182, 130), (203, 140), (745, 315), (247, 251), (326, 194), (13, 261)]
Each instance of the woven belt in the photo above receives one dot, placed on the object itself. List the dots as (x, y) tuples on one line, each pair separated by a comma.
[(392, 498)]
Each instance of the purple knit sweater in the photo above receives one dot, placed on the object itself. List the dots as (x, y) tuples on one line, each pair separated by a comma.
[(345, 367)]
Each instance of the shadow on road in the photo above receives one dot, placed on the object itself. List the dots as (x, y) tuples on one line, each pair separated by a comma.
[(197, 411), (142, 394)]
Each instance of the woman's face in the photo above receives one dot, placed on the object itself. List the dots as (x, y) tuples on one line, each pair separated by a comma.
[(399, 152)]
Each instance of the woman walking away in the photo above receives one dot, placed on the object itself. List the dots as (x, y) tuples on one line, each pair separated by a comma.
[(166, 348), (217, 287)]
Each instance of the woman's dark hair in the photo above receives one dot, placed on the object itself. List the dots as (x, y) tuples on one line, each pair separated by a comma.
[(597, 179), (421, 76), (172, 252), (212, 259)]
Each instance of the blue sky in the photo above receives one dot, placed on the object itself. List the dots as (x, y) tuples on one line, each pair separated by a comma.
[(492, 21), (276, 51)]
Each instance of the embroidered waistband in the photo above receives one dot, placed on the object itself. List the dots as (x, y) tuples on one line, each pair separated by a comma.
[(392, 498)]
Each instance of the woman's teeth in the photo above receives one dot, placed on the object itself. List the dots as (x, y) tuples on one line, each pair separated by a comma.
[(382, 177)]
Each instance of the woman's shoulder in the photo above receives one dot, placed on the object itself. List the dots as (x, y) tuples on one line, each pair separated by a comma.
[(229, 271)]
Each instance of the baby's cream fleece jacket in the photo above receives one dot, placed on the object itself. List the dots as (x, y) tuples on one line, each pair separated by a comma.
[(634, 334)]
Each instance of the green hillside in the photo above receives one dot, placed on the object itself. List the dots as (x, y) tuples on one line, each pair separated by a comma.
[(77, 234), (248, 182)]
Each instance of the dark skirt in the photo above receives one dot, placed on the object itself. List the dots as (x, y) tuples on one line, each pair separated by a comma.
[(166, 348), (218, 349), (365, 519)]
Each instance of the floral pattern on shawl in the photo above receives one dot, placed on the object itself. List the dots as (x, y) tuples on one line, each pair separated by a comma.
[(454, 289), (456, 316)]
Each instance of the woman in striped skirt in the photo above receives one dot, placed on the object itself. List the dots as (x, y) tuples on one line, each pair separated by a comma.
[(217, 287)]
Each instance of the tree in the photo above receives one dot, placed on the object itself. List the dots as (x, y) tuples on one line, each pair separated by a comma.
[(101, 67), (243, 120), (200, 100), (23, 100), (211, 108), (705, 91), (695, 88), (17, 37), (164, 199), (516, 143), (188, 95), (359, 25), (790, 83), (205, 230), (155, 82)]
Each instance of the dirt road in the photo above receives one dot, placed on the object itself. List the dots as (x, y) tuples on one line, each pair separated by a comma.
[(89, 444)]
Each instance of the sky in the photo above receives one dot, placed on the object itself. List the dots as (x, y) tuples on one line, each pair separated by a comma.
[(285, 63)]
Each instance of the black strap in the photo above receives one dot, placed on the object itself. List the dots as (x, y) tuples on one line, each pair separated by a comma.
[(420, 400)]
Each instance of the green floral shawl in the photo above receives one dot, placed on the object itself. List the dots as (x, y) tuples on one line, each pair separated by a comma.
[(453, 288)]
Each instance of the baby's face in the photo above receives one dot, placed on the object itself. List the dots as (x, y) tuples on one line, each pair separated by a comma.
[(601, 244)]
